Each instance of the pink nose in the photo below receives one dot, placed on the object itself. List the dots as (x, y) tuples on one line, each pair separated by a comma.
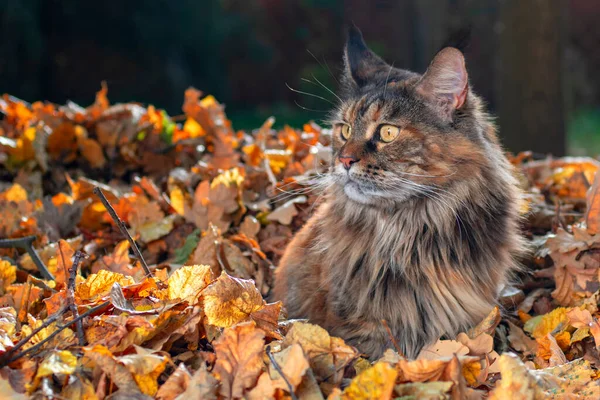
[(348, 161)]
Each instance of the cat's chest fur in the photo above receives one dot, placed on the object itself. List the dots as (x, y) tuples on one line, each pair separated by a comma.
[(425, 270)]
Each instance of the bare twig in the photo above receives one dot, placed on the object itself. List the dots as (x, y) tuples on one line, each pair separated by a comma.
[(71, 296), (278, 369), (98, 192), (392, 338), (26, 243), (56, 332), (49, 321)]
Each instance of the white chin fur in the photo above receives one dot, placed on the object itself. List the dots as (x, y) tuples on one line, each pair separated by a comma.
[(356, 194)]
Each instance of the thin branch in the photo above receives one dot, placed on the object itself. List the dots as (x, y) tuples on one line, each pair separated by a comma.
[(71, 296), (278, 369), (56, 332), (98, 192), (26, 243), (49, 321), (393, 339)]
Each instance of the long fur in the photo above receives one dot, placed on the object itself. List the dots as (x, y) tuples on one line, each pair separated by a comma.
[(430, 236)]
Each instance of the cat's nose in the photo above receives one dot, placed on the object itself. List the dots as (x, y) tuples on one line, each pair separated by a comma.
[(348, 161)]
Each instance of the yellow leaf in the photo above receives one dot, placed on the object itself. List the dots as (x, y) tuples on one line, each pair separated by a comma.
[(516, 382), (57, 362), (228, 178), (15, 193), (229, 300), (65, 337), (548, 323), (145, 368), (376, 382), (99, 284), (8, 273), (178, 201), (193, 128), (472, 371), (187, 282)]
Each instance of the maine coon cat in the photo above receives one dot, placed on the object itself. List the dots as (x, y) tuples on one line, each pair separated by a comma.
[(419, 223)]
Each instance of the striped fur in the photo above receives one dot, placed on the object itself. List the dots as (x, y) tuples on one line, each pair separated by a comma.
[(421, 232)]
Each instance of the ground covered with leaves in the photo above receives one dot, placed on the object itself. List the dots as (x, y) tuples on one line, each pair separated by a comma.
[(178, 310)]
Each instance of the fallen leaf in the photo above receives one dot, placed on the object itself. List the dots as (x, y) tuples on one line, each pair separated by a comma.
[(187, 282), (239, 359), (229, 300), (376, 382)]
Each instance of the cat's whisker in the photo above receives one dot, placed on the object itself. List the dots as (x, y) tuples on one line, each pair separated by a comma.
[(309, 109), (309, 94), (326, 65), (386, 79), (326, 88)]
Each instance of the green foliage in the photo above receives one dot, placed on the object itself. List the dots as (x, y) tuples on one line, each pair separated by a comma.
[(191, 242)]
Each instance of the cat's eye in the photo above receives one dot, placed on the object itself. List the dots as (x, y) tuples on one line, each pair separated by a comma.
[(387, 133), (346, 131)]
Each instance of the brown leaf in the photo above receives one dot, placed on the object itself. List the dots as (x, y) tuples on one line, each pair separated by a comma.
[(175, 385), (202, 385), (239, 358), (117, 372), (293, 364), (592, 214)]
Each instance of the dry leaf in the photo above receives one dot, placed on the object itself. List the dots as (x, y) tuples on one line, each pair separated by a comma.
[(376, 382), (239, 359), (229, 300), (187, 282)]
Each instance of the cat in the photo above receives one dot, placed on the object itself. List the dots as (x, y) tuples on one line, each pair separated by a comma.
[(419, 225)]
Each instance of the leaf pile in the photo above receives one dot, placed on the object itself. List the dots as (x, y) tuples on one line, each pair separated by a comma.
[(212, 210)]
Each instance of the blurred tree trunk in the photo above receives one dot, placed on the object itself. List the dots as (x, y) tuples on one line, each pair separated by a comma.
[(532, 113)]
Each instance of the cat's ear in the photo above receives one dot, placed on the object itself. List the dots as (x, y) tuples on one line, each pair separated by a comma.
[(446, 82), (360, 63)]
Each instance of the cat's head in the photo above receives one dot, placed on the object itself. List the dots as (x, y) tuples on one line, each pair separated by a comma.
[(399, 135)]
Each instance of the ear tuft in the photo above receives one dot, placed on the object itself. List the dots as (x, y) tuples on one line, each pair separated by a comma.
[(446, 80), (360, 62)]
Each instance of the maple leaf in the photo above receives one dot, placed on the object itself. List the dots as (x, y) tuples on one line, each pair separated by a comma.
[(239, 358)]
